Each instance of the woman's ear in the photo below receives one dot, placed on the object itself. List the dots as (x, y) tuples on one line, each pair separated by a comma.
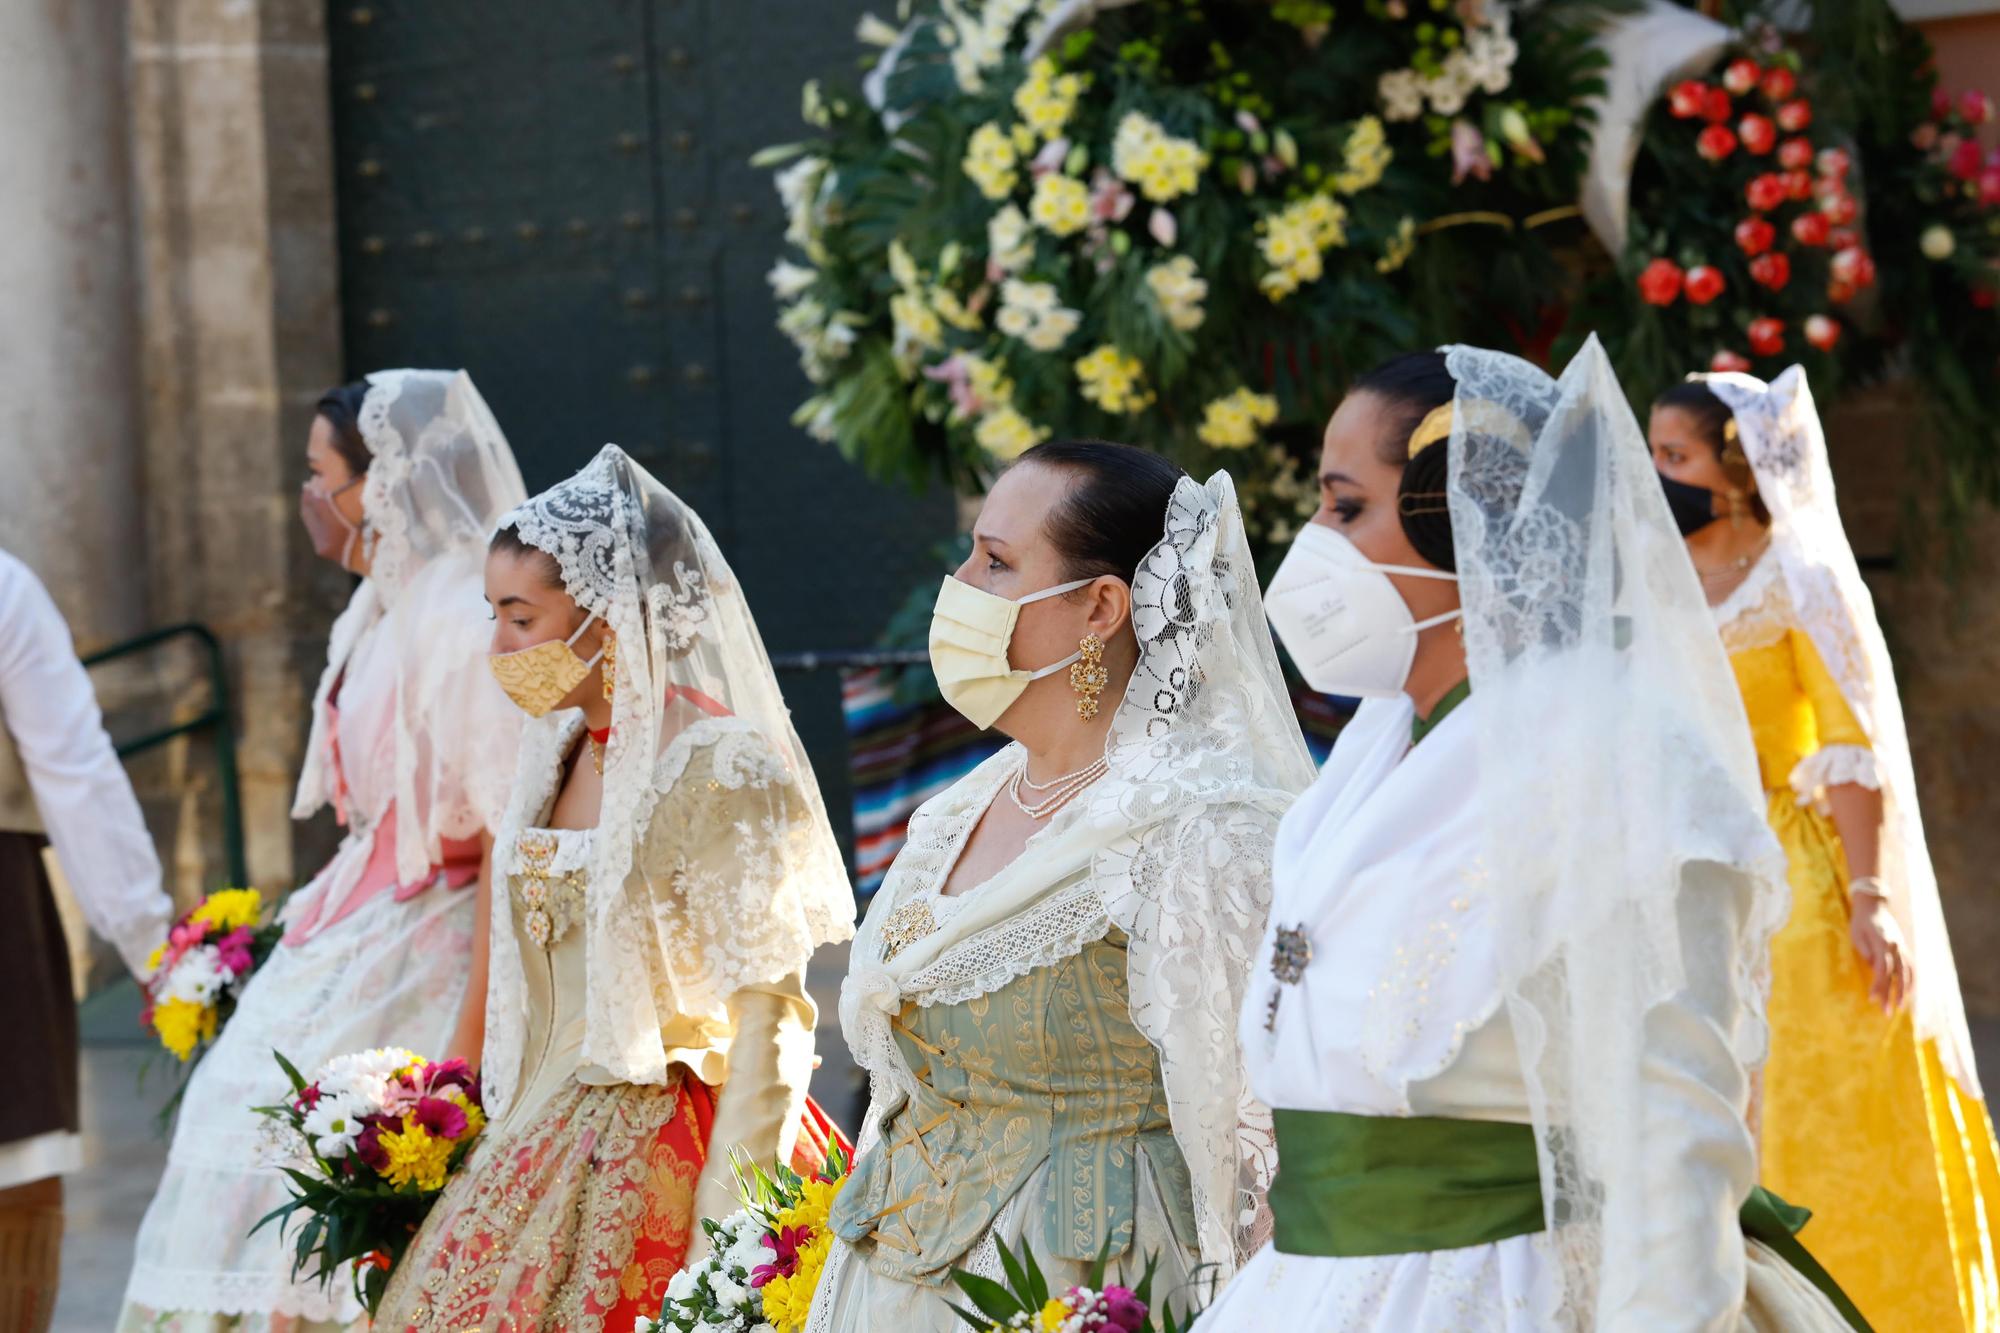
[(1110, 606)]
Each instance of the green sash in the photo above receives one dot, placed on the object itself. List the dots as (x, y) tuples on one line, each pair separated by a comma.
[(1364, 1185)]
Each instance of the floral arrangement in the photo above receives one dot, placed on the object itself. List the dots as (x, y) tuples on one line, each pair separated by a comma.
[(1960, 182), (195, 976), (1025, 1301), (1747, 239), (1185, 223), (368, 1144), (766, 1259)]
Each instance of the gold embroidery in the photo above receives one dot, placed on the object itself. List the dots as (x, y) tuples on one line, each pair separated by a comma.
[(905, 926), (554, 901)]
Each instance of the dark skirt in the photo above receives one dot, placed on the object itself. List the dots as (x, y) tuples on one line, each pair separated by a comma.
[(38, 1042)]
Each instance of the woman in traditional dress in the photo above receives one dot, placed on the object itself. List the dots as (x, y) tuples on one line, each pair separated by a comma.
[(410, 742), (1869, 1109), (1512, 990), (1044, 991), (664, 873)]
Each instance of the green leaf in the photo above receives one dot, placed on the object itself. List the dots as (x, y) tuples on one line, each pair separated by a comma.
[(988, 1296)]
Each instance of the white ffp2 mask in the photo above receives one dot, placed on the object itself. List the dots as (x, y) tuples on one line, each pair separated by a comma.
[(1347, 628)]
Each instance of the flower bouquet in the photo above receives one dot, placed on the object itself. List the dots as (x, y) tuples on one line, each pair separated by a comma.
[(767, 1257), (1024, 1301), (195, 976), (371, 1140)]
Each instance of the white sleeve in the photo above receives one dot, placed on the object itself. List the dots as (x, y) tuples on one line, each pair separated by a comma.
[(85, 799), (1680, 1268)]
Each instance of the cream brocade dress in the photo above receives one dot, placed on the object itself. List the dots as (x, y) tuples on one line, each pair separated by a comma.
[(1859, 1121)]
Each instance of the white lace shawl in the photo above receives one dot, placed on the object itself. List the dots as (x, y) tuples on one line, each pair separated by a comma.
[(1781, 434), (675, 925), (440, 476), (1172, 846), (1623, 786)]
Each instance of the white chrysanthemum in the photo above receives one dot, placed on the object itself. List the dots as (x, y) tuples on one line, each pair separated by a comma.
[(1010, 243), (1402, 94), (789, 280), (197, 978)]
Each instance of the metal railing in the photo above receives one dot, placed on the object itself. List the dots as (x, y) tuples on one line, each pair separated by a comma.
[(214, 718), (845, 659)]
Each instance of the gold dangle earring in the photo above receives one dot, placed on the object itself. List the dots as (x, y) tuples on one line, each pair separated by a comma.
[(610, 664), (1088, 677)]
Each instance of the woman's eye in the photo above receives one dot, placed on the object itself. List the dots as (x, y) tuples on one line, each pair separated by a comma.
[(1347, 510), (994, 562)]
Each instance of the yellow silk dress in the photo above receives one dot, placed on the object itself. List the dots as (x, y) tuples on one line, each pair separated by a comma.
[(1858, 1120)]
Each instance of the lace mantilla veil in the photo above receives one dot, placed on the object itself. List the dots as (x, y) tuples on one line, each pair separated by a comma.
[(1172, 846), (1780, 431), (690, 669), (439, 479), (1629, 786)]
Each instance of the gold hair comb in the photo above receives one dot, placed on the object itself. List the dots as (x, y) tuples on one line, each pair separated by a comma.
[(1435, 426)]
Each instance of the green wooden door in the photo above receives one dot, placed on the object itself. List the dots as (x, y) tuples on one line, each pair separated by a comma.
[(558, 198)]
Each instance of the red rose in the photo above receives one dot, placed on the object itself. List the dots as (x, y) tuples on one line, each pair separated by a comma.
[(1964, 162), (1940, 104), (1757, 133), (1989, 186), (1840, 293), (1660, 282), (1754, 236), (1765, 191), (1853, 267), (1974, 106), (1839, 207), (1822, 332), (1779, 84), (1741, 76), (1795, 116), (1767, 336), (1715, 143), (1725, 360), (1704, 284), (1810, 229), (1773, 270), (1715, 106), (1834, 162), (1795, 154), (1797, 184), (1842, 237), (1687, 98)]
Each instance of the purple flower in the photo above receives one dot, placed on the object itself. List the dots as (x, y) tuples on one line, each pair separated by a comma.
[(784, 1249), (1123, 1310), (450, 1074), (368, 1143)]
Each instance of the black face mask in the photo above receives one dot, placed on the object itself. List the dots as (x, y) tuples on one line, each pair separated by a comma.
[(1693, 506)]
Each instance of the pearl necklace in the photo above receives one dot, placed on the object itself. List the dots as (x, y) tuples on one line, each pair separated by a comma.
[(1060, 791), (1736, 566)]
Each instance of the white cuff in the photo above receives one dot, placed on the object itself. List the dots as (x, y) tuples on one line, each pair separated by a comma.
[(1834, 766)]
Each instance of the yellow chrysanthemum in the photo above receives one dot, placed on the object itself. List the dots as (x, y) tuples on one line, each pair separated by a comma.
[(153, 958), (1397, 251), (1006, 434), (416, 1156), (226, 909), (1053, 1316), (1162, 166), (1366, 156), (1179, 289), (1293, 240), (183, 1025), (788, 1300), (1232, 421), (1114, 381), (1046, 99), (1061, 205), (991, 160), (954, 311)]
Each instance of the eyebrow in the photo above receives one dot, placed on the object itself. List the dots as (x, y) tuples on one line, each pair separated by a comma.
[(512, 600), (988, 539), (1330, 478)]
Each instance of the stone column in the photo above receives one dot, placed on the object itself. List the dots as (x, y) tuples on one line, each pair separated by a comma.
[(69, 419), (240, 332)]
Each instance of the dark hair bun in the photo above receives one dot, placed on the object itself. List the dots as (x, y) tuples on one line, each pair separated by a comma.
[(1115, 513), (1414, 385), (342, 409), (1422, 505)]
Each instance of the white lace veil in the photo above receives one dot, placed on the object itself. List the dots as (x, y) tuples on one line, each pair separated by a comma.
[(1627, 780), (1172, 846), (1780, 432), (439, 478), (688, 653)]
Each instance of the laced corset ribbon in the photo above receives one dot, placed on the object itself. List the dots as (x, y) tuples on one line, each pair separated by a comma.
[(439, 477), (1605, 696), (1172, 846), (692, 894), (1780, 430)]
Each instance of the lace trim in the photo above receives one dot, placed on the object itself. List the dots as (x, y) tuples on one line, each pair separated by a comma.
[(1758, 612), (1834, 766), (1055, 930)]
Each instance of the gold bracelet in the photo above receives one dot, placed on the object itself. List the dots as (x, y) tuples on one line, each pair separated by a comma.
[(1868, 886)]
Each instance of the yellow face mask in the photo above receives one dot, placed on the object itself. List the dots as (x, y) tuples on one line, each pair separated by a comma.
[(538, 679), (970, 631)]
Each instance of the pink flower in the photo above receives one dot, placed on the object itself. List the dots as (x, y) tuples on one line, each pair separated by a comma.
[(1110, 201), (1975, 106), (784, 1249), (1989, 186), (1123, 1310), (957, 379), (1248, 123), (1940, 103), (444, 1119), (1050, 158), (450, 1074), (1468, 152), (308, 1097), (368, 1143), (1162, 227), (233, 951), (1965, 158)]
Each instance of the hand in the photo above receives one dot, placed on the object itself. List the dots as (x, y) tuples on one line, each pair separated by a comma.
[(1879, 940)]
